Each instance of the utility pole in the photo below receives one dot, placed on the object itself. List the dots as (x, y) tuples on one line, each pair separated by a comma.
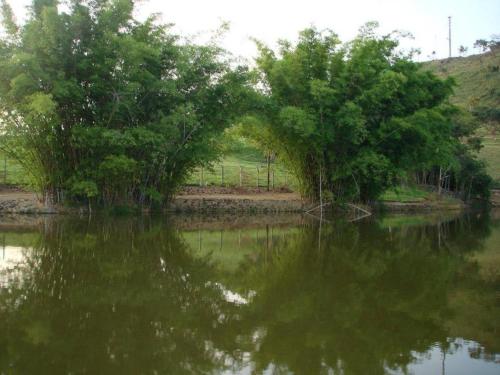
[(449, 35)]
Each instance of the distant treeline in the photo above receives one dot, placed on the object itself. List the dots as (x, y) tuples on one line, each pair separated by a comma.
[(104, 109)]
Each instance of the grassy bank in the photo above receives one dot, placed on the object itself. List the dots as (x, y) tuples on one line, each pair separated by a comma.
[(234, 170), (416, 194), (11, 173), (405, 194), (491, 154)]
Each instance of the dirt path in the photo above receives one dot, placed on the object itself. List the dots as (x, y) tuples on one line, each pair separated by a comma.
[(16, 195), (253, 197), (209, 199), (195, 193), (190, 199), (12, 193), (13, 200)]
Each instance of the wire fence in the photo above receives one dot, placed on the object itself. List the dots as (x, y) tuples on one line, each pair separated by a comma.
[(223, 175), (11, 172), (258, 176)]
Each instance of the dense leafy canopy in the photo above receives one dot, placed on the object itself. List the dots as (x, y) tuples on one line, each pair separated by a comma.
[(98, 105), (353, 118)]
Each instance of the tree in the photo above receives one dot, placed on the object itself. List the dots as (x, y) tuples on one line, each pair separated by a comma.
[(462, 50), (481, 44), (92, 98), (485, 45), (352, 118), (8, 19)]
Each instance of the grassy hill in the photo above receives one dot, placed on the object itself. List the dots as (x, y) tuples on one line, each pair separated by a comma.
[(477, 76), (478, 84)]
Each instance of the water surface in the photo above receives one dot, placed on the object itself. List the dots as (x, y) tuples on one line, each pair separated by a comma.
[(244, 295)]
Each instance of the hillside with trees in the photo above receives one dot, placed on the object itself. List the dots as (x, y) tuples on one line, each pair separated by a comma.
[(477, 78), (478, 91)]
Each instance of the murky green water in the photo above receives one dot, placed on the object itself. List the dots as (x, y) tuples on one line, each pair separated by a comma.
[(244, 295)]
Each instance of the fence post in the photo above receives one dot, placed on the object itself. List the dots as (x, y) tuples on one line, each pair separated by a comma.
[(222, 175), (258, 177), (5, 169), (273, 178), (241, 177), (286, 178), (201, 176)]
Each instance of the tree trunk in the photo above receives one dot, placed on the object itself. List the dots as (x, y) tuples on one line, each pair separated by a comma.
[(440, 180), (268, 169), (321, 190), (470, 189)]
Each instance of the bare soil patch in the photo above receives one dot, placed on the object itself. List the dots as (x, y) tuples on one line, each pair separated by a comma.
[(11, 193), (237, 193)]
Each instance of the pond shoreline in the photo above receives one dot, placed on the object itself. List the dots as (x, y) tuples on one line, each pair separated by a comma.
[(16, 201), (422, 206)]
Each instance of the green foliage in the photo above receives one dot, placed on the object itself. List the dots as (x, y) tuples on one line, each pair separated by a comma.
[(477, 91), (95, 102), (7, 17), (87, 189), (354, 117), (96, 105), (474, 181)]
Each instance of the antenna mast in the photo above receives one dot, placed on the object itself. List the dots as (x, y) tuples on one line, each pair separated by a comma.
[(449, 36)]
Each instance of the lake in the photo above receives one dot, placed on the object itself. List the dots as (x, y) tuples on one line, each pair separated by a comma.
[(404, 294)]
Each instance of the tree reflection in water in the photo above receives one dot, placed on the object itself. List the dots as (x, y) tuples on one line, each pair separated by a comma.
[(141, 296)]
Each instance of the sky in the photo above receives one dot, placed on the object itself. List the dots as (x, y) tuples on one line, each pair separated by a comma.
[(270, 20)]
